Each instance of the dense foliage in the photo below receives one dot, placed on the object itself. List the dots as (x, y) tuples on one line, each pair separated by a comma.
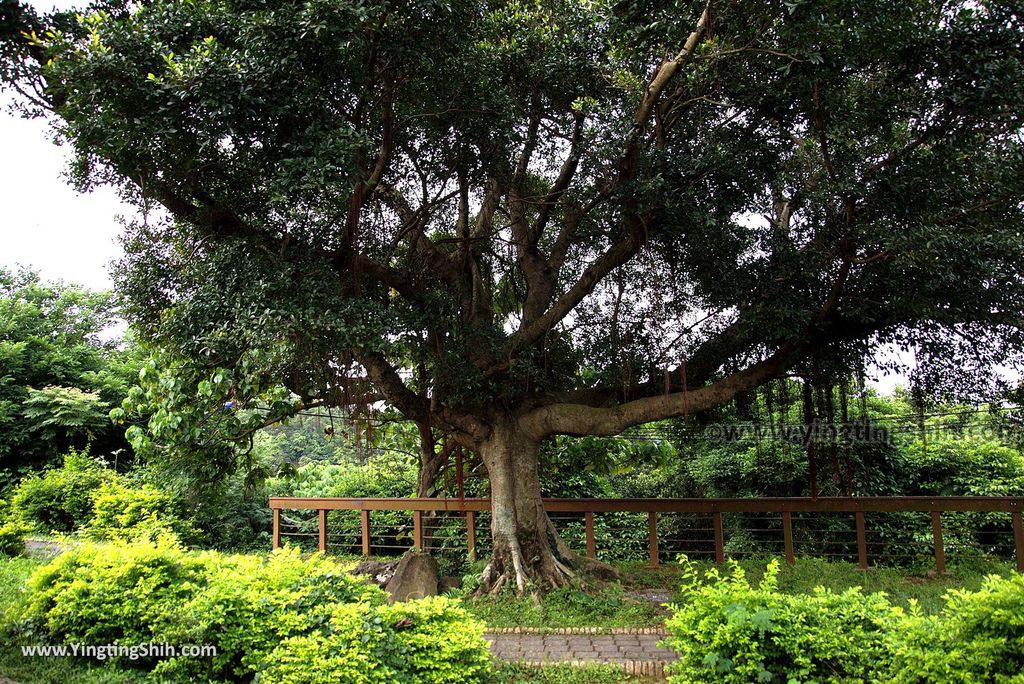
[(727, 630), (88, 497), (61, 499), (286, 618), (12, 532), (121, 511), (979, 636), (59, 374)]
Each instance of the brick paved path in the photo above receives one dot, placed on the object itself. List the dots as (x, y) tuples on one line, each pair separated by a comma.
[(604, 648)]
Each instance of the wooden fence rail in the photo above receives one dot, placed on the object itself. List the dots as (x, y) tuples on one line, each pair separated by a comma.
[(858, 506)]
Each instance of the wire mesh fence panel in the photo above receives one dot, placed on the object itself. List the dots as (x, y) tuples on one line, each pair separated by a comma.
[(571, 527), (969, 536), (826, 535), (299, 528), (445, 536), (753, 534), (344, 532), (900, 539), (621, 536), (690, 534), (484, 543)]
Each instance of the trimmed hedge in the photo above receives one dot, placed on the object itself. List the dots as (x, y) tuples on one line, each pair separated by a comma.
[(979, 637)]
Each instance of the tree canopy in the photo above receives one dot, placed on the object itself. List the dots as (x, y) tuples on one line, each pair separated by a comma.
[(58, 376), (517, 219)]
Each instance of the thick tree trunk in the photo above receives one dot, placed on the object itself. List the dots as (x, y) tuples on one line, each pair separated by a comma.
[(528, 553)]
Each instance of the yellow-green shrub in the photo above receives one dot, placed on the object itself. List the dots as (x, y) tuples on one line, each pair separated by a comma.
[(249, 604), (430, 641), (125, 513), (726, 630), (124, 593), (12, 537), (978, 637), (440, 641), (284, 617), (61, 499)]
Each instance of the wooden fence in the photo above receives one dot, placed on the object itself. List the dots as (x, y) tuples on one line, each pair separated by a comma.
[(468, 509)]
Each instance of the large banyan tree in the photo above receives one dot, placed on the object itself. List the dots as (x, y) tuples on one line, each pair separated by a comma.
[(514, 219)]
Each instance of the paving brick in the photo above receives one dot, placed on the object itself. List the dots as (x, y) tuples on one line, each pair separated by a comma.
[(636, 653)]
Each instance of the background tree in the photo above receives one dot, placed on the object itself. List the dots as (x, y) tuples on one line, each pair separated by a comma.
[(514, 220), (61, 370)]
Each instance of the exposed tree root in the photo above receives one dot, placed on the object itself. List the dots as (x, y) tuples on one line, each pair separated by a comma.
[(553, 565)]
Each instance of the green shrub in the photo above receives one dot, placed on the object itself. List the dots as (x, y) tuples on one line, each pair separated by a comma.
[(284, 617), (117, 593), (439, 641), (978, 637), (431, 641), (725, 630), (12, 538), (61, 499), (123, 513), (249, 604)]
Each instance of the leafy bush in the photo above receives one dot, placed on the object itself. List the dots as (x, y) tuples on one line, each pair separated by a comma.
[(119, 593), (979, 637), (250, 604), (125, 513), (12, 532), (61, 499), (726, 630), (269, 615), (12, 538), (431, 641)]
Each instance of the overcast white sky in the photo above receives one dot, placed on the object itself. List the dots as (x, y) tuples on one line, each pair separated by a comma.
[(45, 223)]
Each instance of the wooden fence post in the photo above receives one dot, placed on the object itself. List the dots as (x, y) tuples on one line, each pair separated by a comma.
[(787, 536), (417, 530), (1018, 539), (471, 534), (588, 518), (276, 536), (940, 551), (652, 536), (322, 529), (365, 525), (716, 519), (862, 540)]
